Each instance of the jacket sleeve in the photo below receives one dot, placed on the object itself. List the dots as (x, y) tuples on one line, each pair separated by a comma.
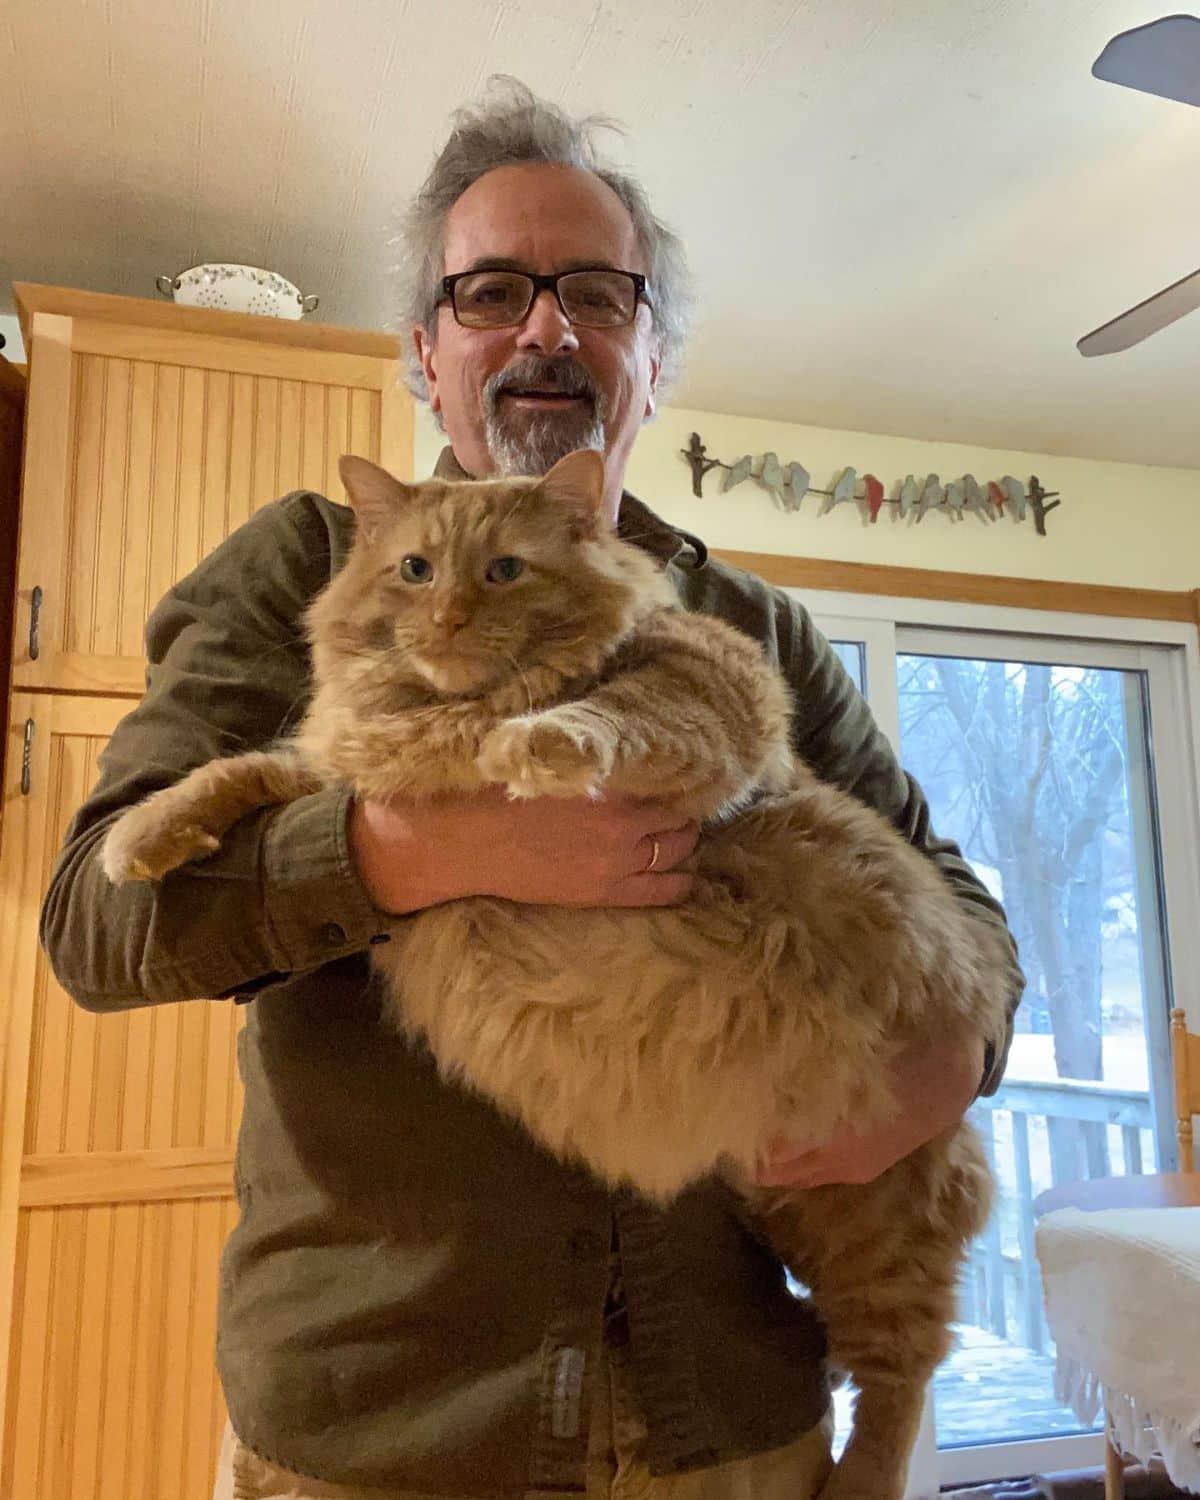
[(227, 672), (837, 736)]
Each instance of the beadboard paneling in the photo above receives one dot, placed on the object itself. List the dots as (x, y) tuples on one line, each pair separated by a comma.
[(113, 1389), (148, 447), (117, 1134), (168, 461)]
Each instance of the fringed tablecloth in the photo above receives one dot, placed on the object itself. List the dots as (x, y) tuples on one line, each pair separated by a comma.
[(1123, 1304)]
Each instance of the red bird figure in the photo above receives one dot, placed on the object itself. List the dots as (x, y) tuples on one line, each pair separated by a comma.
[(998, 494), (874, 496)]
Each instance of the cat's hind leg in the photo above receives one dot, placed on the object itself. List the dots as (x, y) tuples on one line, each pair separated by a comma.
[(883, 1260), (188, 820)]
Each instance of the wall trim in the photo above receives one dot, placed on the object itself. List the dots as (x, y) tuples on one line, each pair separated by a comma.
[(968, 588)]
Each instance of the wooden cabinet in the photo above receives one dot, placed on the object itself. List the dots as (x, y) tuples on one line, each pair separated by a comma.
[(118, 1136), (148, 441), (153, 433), (12, 422)]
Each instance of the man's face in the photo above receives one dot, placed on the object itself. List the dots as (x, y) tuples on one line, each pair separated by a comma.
[(542, 219)]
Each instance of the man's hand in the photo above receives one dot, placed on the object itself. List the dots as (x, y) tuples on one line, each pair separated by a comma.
[(553, 851), (934, 1086)]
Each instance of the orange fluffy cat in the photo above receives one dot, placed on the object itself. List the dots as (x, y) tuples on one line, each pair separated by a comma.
[(657, 1044)]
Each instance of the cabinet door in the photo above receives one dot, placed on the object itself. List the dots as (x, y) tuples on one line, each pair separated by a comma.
[(145, 447), (116, 1144), (12, 420)]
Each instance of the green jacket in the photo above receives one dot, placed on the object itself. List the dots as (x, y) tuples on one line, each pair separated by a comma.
[(414, 1295)]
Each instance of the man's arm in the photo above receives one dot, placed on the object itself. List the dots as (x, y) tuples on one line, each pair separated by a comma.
[(228, 671)]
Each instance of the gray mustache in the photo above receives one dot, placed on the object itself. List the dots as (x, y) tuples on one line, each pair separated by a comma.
[(563, 376)]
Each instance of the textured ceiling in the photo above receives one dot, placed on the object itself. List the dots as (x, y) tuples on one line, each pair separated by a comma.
[(901, 216)]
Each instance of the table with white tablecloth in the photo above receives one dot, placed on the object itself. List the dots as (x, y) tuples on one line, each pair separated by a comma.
[(1122, 1291)]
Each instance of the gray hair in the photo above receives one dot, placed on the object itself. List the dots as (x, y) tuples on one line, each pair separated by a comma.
[(509, 127)]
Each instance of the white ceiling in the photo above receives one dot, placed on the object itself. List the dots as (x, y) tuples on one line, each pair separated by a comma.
[(901, 215)]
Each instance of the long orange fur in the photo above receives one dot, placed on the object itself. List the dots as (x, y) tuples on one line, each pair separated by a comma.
[(816, 944)]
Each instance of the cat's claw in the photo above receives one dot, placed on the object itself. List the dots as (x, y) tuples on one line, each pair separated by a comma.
[(144, 847), (559, 754)]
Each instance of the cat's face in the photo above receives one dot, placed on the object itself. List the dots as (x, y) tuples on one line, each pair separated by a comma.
[(465, 584)]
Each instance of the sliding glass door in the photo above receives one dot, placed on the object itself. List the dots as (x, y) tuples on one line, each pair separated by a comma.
[(1064, 766)]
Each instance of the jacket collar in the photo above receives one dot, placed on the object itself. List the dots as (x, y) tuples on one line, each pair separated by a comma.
[(636, 523)]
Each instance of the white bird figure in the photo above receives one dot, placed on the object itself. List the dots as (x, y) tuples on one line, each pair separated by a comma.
[(797, 485), (771, 474), (1016, 496), (908, 495), (931, 495), (736, 473), (976, 499), (842, 490), (954, 499)]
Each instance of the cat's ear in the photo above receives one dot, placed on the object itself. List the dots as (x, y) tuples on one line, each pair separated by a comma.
[(375, 495), (577, 482)]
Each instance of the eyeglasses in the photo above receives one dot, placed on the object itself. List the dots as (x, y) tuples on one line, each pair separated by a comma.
[(596, 298)]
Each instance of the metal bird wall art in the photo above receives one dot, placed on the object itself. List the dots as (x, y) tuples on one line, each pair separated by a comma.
[(913, 499)]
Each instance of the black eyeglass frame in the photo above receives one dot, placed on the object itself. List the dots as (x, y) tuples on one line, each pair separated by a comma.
[(547, 283)]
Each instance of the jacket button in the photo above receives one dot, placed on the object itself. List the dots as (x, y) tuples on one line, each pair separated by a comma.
[(334, 934)]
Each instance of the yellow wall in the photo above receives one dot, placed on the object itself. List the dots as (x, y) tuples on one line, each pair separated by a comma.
[(1118, 523)]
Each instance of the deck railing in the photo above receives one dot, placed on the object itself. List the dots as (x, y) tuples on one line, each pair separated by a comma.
[(1038, 1134)]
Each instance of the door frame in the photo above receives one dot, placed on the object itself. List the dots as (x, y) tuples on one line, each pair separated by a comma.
[(1167, 652)]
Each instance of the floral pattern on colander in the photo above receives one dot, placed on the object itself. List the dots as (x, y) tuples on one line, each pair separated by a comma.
[(237, 288)]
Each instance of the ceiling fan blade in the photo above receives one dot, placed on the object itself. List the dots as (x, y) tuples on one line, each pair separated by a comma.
[(1161, 58), (1175, 301)]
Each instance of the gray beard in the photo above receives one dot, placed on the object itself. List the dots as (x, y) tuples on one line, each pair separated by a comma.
[(532, 445), (524, 442)]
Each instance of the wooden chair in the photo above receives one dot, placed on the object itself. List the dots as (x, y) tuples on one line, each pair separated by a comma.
[(1163, 1190), (1185, 1054)]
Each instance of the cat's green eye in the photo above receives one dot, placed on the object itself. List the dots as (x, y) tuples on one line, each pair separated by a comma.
[(415, 569), (504, 569)]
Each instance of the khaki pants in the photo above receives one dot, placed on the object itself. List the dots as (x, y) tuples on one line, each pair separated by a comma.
[(615, 1470)]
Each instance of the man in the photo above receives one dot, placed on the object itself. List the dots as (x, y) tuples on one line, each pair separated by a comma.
[(417, 1300)]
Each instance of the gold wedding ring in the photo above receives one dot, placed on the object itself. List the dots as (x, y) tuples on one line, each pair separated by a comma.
[(654, 853)]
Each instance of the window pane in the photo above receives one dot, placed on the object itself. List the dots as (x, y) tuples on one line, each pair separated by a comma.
[(1039, 773), (850, 654)]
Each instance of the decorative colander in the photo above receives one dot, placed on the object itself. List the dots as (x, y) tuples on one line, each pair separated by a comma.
[(241, 289)]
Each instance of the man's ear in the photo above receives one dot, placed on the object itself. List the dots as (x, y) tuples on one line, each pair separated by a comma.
[(652, 393), (427, 354), (375, 495), (577, 482)]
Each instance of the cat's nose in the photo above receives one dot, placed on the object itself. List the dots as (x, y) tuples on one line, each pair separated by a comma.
[(451, 615)]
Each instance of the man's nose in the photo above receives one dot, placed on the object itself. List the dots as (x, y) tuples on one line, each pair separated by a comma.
[(547, 329)]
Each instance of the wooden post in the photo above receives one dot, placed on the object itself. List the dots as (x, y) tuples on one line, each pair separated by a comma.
[(694, 453), (1037, 500)]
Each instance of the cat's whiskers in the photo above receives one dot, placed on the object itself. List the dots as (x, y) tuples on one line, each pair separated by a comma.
[(547, 631), (550, 639), (517, 668)]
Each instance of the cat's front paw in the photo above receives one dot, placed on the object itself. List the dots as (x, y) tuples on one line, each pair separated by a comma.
[(145, 844), (561, 753)]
